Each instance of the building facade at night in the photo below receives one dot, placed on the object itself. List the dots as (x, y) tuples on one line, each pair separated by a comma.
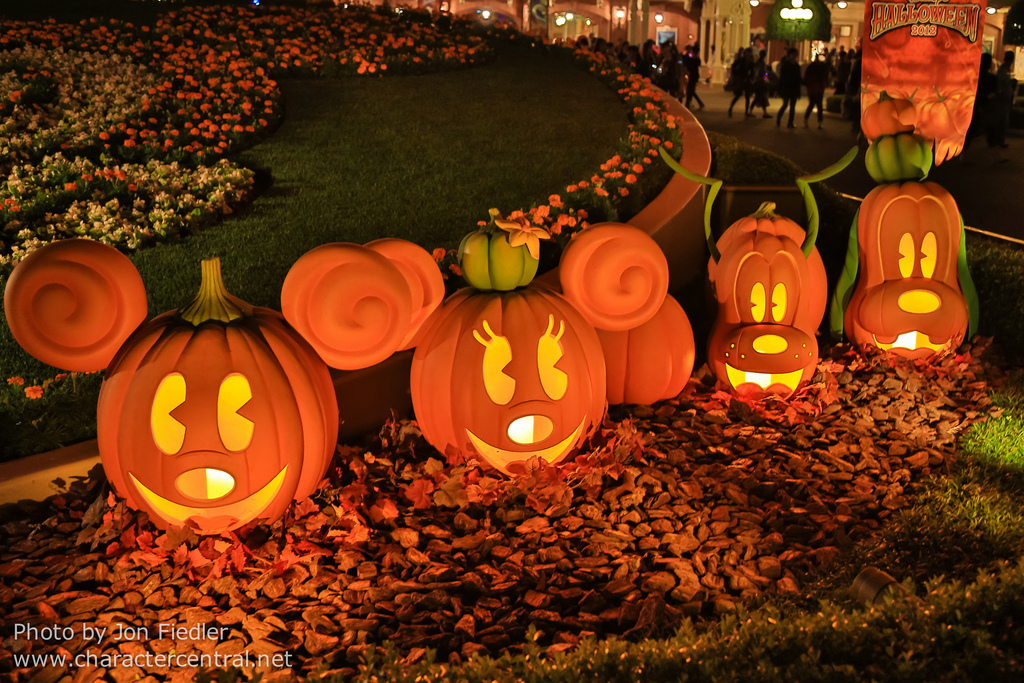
[(720, 26)]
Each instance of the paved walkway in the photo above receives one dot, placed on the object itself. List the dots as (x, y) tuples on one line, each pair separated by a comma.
[(990, 195)]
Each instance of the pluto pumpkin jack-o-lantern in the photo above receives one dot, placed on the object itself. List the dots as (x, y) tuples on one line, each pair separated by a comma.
[(906, 287), (771, 290), (209, 416), (509, 375)]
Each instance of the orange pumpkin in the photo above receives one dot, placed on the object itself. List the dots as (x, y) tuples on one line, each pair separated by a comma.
[(210, 416), (216, 414), (771, 300), (618, 278), (72, 303), (650, 362), (913, 294), (888, 116), (770, 286), (508, 376), (359, 304)]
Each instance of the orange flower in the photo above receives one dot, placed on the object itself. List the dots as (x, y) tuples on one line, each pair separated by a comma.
[(630, 178), (16, 380), (524, 234), (34, 392), (438, 254)]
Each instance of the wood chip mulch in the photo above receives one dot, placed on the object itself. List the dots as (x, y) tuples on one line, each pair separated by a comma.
[(688, 507)]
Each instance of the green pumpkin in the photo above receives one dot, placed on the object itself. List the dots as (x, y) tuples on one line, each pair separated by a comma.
[(900, 157), (490, 262)]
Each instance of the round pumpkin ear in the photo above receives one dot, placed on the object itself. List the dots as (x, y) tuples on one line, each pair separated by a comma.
[(615, 275), (421, 274), (73, 303), (351, 303)]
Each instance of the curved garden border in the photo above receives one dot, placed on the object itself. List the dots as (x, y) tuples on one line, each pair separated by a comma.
[(368, 397)]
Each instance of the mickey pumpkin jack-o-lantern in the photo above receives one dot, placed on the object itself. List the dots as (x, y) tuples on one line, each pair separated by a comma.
[(771, 290), (906, 287), (512, 375), (209, 416)]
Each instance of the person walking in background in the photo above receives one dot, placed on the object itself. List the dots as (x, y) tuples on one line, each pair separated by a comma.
[(691, 63), (669, 74), (815, 78), (789, 85), (649, 60), (983, 112), (852, 100), (759, 84), (739, 76), (842, 71), (1006, 90)]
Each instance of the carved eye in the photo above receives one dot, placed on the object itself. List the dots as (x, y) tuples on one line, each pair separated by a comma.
[(908, 255), (168, 433), (929, 254), (497, 355), (779, 302), (549, 352), (235, 430), (757, 302)]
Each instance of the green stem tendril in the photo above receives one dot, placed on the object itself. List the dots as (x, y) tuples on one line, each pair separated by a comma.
[(715, 184), (804, 183)]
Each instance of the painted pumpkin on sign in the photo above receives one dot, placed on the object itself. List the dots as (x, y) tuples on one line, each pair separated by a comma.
[(888, 116), (210, 416), (913, 295)]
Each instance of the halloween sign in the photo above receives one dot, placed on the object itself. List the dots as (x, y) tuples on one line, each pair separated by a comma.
[(927, 52)]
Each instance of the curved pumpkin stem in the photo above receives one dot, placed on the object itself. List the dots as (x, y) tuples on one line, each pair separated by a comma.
[(213, 302), (715, 184), (967, 283), (844, 288), (811, 204)]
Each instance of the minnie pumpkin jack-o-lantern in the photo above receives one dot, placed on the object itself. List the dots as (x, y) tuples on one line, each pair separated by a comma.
[(209, 416), (511, 375), (906, 287), (771, 289)]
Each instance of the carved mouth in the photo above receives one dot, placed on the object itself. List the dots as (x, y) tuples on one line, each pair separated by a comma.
[(501, 458), (213, 519), (911, 341), (790, 380)]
